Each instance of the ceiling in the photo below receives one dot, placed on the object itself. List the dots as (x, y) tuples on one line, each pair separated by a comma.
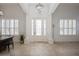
[(29, 8)]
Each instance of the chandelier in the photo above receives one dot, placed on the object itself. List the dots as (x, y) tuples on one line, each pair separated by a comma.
[(39, 7)]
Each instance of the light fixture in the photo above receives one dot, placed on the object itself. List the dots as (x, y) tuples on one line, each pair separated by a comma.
[(39, 7), (1, 13)]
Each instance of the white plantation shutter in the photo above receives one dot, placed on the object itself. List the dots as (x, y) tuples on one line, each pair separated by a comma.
[(68, 27), (10, 27), (38, 27)]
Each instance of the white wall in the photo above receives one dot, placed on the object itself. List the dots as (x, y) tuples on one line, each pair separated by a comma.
[(65, 11), (32, 13), (14, 11)]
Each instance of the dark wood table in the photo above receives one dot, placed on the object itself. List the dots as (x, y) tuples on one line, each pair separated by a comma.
[(5, 42)]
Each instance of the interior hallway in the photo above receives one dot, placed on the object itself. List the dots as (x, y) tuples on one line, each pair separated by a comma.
[(43, 49)]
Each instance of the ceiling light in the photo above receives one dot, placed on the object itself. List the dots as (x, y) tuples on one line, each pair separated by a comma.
[(1, 13), (39, 6)]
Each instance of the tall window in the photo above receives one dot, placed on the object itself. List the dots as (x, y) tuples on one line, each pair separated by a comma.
[(44, 29), (32, 27), (9, 27), (38, 27), (67, 27)]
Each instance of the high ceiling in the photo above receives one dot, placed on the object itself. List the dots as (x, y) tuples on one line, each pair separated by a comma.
[(31, 10), (30, 7)]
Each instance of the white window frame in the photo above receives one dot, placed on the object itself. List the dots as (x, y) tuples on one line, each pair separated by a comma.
[(67, 27), (43, 27), (8, 29)]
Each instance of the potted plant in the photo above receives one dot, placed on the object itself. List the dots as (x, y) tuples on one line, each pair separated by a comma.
[(22, 39)]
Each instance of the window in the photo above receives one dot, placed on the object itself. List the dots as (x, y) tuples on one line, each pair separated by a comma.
[(12, 27), (67, 27), (9, 27), (39, 27), (44, 24), (16, 27), (32, 27), (3, 27)]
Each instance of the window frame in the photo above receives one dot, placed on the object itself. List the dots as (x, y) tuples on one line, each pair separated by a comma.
[(63, 28), (9, 29), (43, 27)]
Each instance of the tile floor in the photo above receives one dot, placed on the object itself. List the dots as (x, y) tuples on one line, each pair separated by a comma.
[(43, 49)]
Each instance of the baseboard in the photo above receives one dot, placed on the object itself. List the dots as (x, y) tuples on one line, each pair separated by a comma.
[(66, 41)]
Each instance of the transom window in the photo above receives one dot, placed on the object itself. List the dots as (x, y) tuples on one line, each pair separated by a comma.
[(10, 27), (67, 27)]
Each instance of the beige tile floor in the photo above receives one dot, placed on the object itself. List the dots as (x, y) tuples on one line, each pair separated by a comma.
[(43, 49)]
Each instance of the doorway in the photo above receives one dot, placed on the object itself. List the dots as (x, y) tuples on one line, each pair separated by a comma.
[(38, 30)]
